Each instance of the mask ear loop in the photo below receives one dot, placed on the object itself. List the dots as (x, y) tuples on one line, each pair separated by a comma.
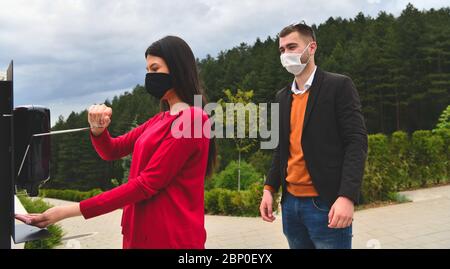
[(309, 54)]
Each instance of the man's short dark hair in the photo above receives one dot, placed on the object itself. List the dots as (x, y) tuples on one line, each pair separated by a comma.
[(302, 28)]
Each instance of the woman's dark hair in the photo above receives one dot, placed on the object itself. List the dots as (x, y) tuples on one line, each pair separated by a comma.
[(183, 69)]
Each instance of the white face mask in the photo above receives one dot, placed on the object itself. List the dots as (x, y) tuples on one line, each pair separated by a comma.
[(293, 62)]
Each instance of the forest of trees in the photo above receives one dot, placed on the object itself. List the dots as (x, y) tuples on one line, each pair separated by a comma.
[(400, 66)]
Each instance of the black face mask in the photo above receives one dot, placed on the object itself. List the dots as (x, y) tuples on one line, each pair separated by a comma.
[(157, 84)]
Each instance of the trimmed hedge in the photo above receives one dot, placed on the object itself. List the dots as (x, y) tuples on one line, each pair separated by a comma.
[(56, 232), (228, 177), (400, 162), (218, 201), (375, 186), (428, 162), (69, 195), (226, 202)]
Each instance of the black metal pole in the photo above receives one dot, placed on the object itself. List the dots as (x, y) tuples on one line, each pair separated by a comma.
[(6, 161)]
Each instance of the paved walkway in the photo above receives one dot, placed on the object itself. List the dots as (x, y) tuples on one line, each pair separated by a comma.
[(423, 223)]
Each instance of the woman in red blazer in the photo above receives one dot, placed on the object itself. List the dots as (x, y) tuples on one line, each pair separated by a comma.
[(163, 200)]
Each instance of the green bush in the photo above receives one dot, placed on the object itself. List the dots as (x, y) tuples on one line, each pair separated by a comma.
[(444, 120), (443, 130), (251, 200), (211, 201), (56, 232), (445, 135), (209, 182), (377, 184), (400, 161), (438, 162), (428, 159), (261, 161), (238, 205), (228, 178), (69, 195), (224, 200), (220, 201)]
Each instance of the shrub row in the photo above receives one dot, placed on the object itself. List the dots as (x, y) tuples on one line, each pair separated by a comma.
[(401, 162), (56, 232), (69, 195)]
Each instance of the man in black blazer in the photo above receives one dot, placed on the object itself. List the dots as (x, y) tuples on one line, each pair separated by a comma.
[(320, 157)]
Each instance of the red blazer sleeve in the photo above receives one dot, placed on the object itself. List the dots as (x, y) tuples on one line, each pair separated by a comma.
[(110, 149)]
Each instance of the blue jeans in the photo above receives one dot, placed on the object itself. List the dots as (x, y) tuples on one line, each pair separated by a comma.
[(305, 225)]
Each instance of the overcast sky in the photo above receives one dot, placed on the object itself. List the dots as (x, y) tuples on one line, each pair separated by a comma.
[(69, 54)]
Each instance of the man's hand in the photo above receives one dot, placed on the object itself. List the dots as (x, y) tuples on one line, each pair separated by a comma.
[(341, 213), (50, 216), (266, 206), (99, 117)]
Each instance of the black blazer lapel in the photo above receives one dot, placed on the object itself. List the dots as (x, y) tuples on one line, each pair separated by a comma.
[(313, 95), (285, 103)]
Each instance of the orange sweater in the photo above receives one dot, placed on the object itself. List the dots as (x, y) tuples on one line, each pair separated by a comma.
[(298, 180)]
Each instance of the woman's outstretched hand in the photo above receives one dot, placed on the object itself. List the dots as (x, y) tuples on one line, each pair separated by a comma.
[(51, 216), (99, 118)]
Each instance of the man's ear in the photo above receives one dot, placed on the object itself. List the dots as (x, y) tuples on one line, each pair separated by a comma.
[(313, 48)]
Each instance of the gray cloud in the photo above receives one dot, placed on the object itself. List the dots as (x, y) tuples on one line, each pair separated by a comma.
[(72, 53)]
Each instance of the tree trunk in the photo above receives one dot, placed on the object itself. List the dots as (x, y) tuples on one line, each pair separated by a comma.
[(397, 103), (239, 172)]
